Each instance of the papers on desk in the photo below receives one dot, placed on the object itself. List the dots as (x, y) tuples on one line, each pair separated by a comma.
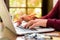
[(20, 38)]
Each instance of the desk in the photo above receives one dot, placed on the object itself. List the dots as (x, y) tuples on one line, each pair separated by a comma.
[(11, 36)]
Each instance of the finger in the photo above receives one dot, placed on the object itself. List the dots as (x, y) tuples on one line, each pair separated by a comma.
[(34, 25), (28, 24), (23, 16), (18, 23)]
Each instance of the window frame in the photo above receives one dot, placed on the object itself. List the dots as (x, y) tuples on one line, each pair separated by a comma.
[(26, 7)]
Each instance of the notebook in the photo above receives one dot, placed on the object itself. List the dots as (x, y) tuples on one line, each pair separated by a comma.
[(6, 17)]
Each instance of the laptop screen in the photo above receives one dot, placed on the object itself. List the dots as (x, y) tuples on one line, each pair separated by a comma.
[(6, 16)]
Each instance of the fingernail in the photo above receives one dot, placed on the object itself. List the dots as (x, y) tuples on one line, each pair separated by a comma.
[(27, 27)]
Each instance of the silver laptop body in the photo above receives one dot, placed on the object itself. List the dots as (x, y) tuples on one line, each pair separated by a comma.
[(6, 17)]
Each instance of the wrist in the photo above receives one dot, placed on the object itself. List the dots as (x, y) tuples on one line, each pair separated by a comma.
[(44, 22)]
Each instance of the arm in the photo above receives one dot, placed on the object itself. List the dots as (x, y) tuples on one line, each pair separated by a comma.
[(52, 13), (54, 23)]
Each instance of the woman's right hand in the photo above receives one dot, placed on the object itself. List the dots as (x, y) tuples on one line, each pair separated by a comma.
[(36, 23)]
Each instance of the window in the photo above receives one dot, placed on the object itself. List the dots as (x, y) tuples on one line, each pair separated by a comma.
[(18, 8)]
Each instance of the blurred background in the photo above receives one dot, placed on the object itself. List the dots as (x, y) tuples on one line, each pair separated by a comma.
[(18, 8)]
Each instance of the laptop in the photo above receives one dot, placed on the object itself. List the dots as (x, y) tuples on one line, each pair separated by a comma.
[(6, 17)]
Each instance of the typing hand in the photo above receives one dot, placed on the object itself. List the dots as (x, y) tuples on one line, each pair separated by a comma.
[(28, 17), (18, 22), (25, 18), (36, 23)]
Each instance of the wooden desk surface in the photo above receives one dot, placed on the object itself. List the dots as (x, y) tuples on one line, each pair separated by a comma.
[(11, 36)]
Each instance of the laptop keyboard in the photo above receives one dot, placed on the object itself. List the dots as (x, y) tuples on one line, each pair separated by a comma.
[(22, 30), (26, 29)]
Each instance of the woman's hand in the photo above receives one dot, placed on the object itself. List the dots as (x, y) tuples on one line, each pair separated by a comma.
[(35, 23), (28, 17), (25, 18), (19, 22)]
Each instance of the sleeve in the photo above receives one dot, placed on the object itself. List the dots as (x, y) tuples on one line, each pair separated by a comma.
[(54, 23), (52, 13)]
